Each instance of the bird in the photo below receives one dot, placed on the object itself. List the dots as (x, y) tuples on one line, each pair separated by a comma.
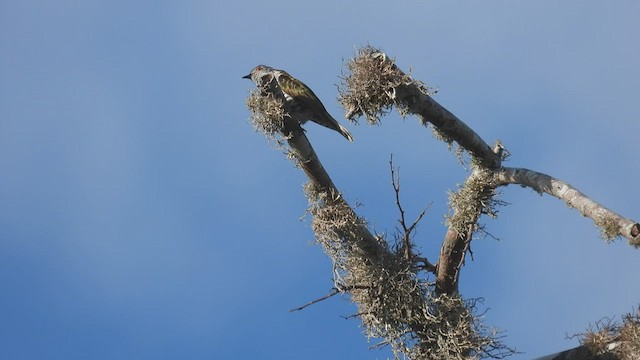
[(299, 97)]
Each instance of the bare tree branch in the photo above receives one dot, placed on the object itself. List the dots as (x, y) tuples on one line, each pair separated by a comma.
[(378, 84), (417, 220), (407, 230), (406, 236), (611, 223)]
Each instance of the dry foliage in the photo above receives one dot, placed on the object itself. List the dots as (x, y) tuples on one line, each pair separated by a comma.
[(613, 340), (369, 87), (267, 113), (269, 116), (393, 303), (609, 228), (475, 197)]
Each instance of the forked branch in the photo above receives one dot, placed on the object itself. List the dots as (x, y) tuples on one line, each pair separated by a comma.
[(407, 230), (394, 304), (374, 84)]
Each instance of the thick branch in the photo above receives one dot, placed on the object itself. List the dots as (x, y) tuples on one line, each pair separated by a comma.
[(454, 249), (470, 201), (320, 180), (611, 223), (429, 110), (307, 158), (376, 84), (457, 240), (578, 353)]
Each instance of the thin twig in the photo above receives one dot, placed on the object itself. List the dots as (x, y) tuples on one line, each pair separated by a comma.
[(406, 239), (415, 223), (379, 345), (407, 230), (333, 292), (353, 315), (426, 265)]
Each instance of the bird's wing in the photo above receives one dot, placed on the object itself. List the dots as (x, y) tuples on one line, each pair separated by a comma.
[(300, 93)]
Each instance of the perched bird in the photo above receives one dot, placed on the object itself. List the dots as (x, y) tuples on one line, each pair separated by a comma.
[(299, 97)]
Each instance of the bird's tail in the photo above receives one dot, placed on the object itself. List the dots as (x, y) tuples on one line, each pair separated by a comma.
[(328, 121), (345, 132)]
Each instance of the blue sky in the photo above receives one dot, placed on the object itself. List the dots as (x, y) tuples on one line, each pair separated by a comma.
[(142, 218)]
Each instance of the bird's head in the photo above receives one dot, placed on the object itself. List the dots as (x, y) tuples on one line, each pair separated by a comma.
[(258, 74)]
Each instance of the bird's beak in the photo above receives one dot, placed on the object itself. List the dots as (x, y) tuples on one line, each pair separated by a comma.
[(247, 77)]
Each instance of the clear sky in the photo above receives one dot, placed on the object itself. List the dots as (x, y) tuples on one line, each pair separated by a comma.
[(141, 217)]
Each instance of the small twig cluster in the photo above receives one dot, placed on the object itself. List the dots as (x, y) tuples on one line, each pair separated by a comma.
[(614, 340), (407, 230)]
